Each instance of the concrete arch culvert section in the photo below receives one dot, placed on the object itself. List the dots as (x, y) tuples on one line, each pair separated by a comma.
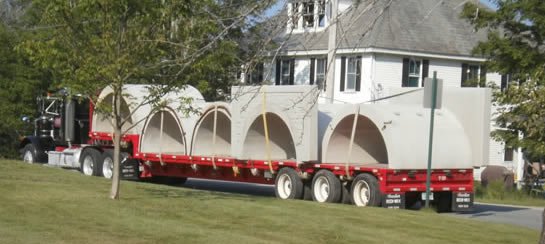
[(163, 134), (281, 143), (393, 135), (368, 145), (101, 122), (292, 121), (136, 106), (204, 141)]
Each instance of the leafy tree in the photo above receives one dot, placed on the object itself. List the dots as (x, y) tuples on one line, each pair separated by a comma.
[(91, 44), (516, 47), (20, 84)]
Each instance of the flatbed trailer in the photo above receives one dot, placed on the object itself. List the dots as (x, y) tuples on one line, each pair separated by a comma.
[(363, 185)]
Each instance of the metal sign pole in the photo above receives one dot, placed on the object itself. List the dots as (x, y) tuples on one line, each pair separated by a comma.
[(430, 144)]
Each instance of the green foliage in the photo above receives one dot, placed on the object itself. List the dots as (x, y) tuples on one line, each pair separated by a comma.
[(20, 84), (516, 47), (495, 192)]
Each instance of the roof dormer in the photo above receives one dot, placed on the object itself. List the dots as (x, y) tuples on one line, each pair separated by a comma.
[(307, 15)]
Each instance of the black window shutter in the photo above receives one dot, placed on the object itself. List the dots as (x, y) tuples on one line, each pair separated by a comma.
[(405, 75), (277, 81), (343, 72), (425, 70), (292, 70), (464, 74), (358, 73), (312, 70), (503, 82), (482, 79)]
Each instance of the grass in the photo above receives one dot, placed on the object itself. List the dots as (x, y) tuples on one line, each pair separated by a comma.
[(495, 193), (49, 205)]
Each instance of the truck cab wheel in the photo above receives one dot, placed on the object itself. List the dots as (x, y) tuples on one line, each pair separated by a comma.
[(29, 154), (107, 164), (90, 162), (288, 184), (365, 191), (326, 187)]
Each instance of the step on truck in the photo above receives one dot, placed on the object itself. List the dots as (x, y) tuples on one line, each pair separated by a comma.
[(365, 154)]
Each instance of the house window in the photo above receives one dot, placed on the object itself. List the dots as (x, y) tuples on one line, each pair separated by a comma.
[(255, 74), (310, 12), (285, 71), (318, 71), (508, 154), (505, 80), (350, 73), (414, 72), (473, 75)]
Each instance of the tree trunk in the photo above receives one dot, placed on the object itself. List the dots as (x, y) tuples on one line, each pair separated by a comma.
[(543, 229), (114, 193)]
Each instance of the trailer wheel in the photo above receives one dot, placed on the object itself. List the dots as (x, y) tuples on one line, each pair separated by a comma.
[(90, 162), (326, 187), (365, 191), (288, 184), (29, 154)]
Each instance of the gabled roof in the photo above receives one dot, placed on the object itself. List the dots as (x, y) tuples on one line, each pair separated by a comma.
[(428, 26)]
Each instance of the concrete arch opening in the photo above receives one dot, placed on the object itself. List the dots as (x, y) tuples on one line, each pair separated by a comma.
[(368, 148), (282, 145), (205, 143), (102, 123), (163, 134)]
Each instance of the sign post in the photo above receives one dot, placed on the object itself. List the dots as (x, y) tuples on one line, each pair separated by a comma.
[(430, 144)]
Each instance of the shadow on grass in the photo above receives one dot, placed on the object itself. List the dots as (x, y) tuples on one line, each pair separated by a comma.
[(199, 191), (480, 210)]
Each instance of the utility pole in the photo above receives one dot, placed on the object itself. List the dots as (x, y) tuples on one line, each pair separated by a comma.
[(331, 50)]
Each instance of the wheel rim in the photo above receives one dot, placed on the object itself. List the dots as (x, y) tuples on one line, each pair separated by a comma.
[(108, 168), (361, 194), (321, 189), (28, 157), (284, 186), (88, 165)]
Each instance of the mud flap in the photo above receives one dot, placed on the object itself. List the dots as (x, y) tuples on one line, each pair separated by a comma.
[(129, 170), (462, 201), (396, 200)]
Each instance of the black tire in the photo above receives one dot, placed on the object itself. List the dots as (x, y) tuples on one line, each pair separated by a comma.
[(91, 162), (326, 187), (106, 167), (346, 198), (288, 184), (307, 190), (365, 191), (28, 154)]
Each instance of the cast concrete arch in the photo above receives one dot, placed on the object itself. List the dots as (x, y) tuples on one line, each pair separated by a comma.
[(404, 130), (204, 141), (368, 146), (163, 134), (136, 107), (281, 141), (100, 121)]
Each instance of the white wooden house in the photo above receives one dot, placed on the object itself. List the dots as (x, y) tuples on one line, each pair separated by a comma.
[(383, 44)]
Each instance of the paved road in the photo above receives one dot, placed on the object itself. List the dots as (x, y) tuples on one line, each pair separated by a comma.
[(529, 217), (515, 215)]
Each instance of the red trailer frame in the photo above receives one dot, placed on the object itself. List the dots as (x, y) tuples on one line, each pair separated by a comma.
[(398, 188)]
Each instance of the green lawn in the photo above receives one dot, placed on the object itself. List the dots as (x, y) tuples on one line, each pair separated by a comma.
[(48, 205)]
